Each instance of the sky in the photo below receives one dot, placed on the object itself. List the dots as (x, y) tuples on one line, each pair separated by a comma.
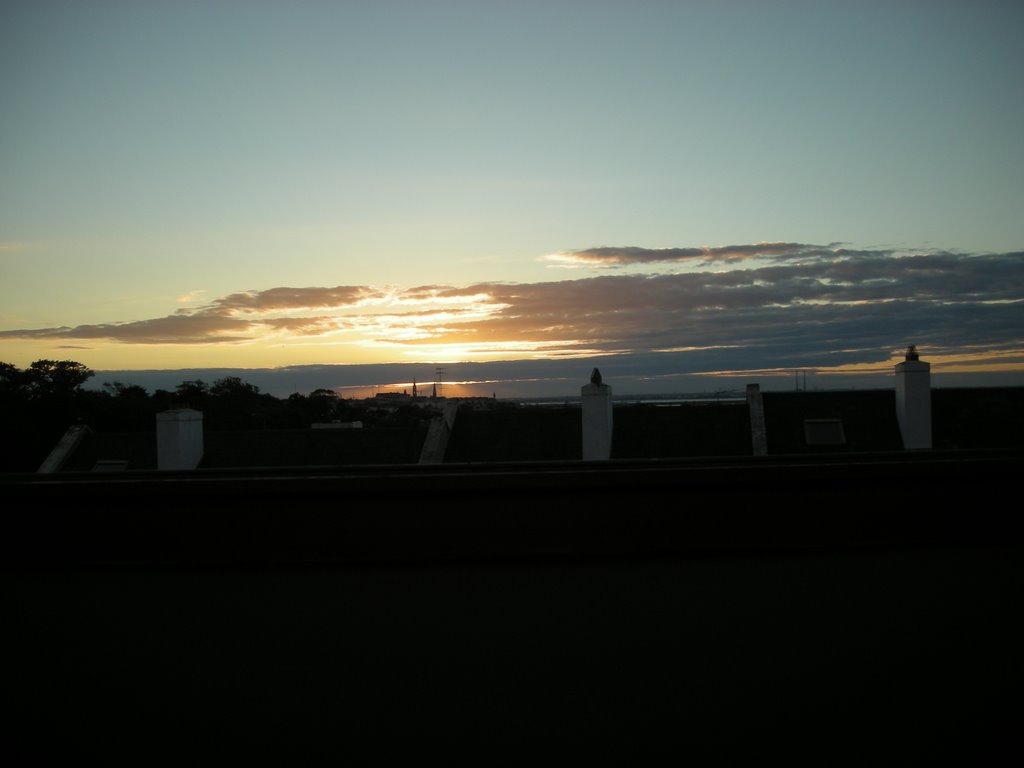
[(710, 189)]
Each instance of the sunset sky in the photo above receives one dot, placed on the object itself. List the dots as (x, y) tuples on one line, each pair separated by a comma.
[(707, 187)]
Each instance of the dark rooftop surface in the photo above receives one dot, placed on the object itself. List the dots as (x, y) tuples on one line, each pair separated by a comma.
[(853, 605), (879, 657), (868, 420), (553, 433), (312, 447), (516, 434), (967, 418), (260, 448), (499, 510), (989, 417), (843, 606), (137, 449), (685, 430)]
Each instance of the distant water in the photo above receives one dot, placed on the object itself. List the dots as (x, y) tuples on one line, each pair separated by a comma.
[(731, 396)]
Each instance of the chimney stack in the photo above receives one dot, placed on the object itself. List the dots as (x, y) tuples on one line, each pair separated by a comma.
[(179, 439), (597, 419), (914, 401), (758, 431)]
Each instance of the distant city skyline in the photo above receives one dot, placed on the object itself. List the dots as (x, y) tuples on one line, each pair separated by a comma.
[(723, 191), (628, 375)]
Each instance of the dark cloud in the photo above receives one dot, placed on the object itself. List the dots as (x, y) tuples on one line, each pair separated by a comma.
[(197, 328), (793, 310), (627, 255), (799, 304), (304, 326), (276, 299), (227, 319)]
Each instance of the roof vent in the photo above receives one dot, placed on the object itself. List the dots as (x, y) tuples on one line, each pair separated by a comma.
[(824, 432)]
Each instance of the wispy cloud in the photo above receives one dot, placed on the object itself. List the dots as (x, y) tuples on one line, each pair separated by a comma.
[(277, 299), (238, 317), (191, 296), (609, 256), (11, 248), (776, 304), (197, 328)]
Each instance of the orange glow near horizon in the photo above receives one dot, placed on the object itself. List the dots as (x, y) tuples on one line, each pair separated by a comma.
[(953, 362), (274, 354), (424, 389)]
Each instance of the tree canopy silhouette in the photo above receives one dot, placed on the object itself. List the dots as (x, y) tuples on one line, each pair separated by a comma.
[(41, 401), (44, 378)]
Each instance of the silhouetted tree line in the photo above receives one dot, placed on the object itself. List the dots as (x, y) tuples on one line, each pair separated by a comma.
[(40, 402)]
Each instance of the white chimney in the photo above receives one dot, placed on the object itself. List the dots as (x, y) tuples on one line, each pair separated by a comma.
[(758, 432), (597, 419), (179, 439), (914, 401)]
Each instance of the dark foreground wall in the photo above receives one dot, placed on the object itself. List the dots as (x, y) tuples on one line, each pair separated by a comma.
[(607, 616), (403, 513)]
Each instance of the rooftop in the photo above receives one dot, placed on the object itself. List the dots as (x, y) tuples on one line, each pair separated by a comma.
[(621, 610), (852, 421)]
